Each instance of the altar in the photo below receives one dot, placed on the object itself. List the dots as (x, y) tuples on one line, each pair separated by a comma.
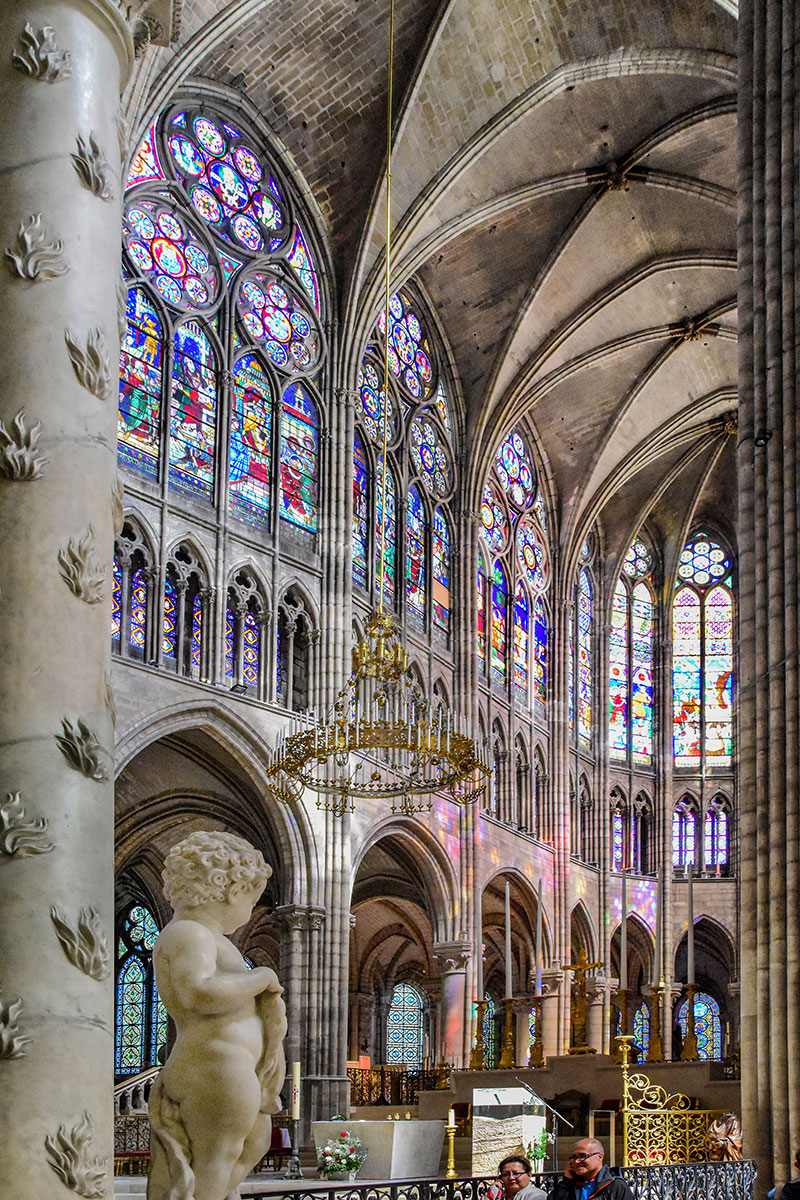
[(395, 1149)]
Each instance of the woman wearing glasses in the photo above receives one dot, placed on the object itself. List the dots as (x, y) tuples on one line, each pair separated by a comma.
[(515, 1176), (586, 1176)]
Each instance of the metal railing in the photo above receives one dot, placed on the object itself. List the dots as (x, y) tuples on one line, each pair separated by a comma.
[(388, 1085), (689, 1181)]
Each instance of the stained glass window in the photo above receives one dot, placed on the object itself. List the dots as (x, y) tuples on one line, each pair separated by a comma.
[(250, 442), (197, 633), (193, 411), (489, 1034), (707, 1026), (171, 254), (532, 555), (618, 674), (371, 397), (230, 639), (116, 603), (169, 632), (279, 318), (499, 624), (408, 351), (440, 401), (430, 457), (521, 621), (480, 604), (140, 385), (441, 571), (641, 1030), (299, 458), (415, 554), (715, 835), (495, 525), (360, 493), (303, 266), (138, 611), (638, 561), (141, 1020), (684, 834), (514, 470), (251, 647), (540, 657), (702, 631), (585, 659), (389, 550), (617, 839), (532, 1019), (404, 1031), (642, 675), (571, 669)]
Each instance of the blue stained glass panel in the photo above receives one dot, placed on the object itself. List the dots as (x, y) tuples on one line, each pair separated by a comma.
[(252, 649), (230, 641), (617, 843), (299, 438), (169, 628), (303, 264), (197, 632), (707, 1026), (140, 384), (404, 1032), (489, 1034), (521, 622), (540, 657), (499, 625), (129, 1056), (250, 442), (138, 610), (390, 533), (515, 470), (415, 555), (193, 412), (641, 1030), (360, 501), (116, 602), (441, 571), (495, 526)]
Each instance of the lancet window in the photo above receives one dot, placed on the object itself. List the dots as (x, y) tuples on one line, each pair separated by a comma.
[(132, 597), (684, 833), (641, 1030), (224, 343), (702, 655), (707, 1026), (513, 608), (716, 834), (245, 635), (421, 459), (404, 1026), (297, 642), (186, 615), (631, 660), (140, 1016)]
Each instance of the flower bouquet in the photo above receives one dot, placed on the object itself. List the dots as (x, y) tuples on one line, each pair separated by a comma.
[(341, 1157)]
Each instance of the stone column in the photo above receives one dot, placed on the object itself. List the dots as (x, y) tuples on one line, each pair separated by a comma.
[(551, 985), (522, 1029), (453, 957), (769, 583), (292, 921), (595, 1003), (62, 67)]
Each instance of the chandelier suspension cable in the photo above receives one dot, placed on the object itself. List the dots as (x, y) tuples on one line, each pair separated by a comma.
[(387, 296)]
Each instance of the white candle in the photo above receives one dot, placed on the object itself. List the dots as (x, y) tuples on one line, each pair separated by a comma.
[(539, 939), (690, 929), (657, 968), (623, 936), (479, 964), (295, 1091), (451, 1117), (508, 991)]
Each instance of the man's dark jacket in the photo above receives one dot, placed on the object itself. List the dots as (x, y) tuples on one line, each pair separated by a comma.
[(607, 1186)]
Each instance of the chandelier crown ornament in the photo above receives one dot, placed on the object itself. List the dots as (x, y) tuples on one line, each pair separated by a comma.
[(380, 738)]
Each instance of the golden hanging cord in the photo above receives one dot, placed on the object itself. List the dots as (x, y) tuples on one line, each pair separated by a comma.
[(387, 297)]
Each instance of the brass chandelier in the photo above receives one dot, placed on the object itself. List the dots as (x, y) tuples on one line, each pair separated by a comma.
[(380, 738)]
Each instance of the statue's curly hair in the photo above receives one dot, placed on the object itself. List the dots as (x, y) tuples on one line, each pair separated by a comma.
[(211, 866)]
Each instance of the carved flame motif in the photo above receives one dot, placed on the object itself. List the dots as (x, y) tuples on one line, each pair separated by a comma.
[(86, 947), (93, 168), (90, 365), (68, 1154), (82, 750), (117, 504), (12, 1043), (18, 458), (39, 56), (18, 837), (33, 257), (80, 571)]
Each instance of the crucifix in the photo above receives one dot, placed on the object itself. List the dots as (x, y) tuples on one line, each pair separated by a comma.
[(578, 1004)]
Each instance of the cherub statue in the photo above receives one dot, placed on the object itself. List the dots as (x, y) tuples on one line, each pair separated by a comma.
[(210, 1106)]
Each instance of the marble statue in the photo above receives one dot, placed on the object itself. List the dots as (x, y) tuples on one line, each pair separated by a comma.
[(210, 1106), (724, 1139)]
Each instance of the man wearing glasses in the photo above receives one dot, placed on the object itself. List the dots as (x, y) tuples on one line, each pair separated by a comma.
[(515, 1176), (586, 1175)]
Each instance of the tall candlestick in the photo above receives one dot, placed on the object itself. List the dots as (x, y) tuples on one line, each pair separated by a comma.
[(539, 939), (508, 991), (295, 1091), (690, 929), (479, 964), (623, 936)]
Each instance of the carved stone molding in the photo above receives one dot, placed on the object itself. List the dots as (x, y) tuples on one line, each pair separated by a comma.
[(90, 365), (33, 257), (85, 946), (93, 167), (18, 457), (109, 691), (80, 571), (69, 1154), (38, 55), (453, 956), (19, 837), (118, 504), (12, 1042), (122, 308), (79, 745)]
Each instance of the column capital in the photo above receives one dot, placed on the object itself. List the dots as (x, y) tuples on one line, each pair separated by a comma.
[(453, 956)]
